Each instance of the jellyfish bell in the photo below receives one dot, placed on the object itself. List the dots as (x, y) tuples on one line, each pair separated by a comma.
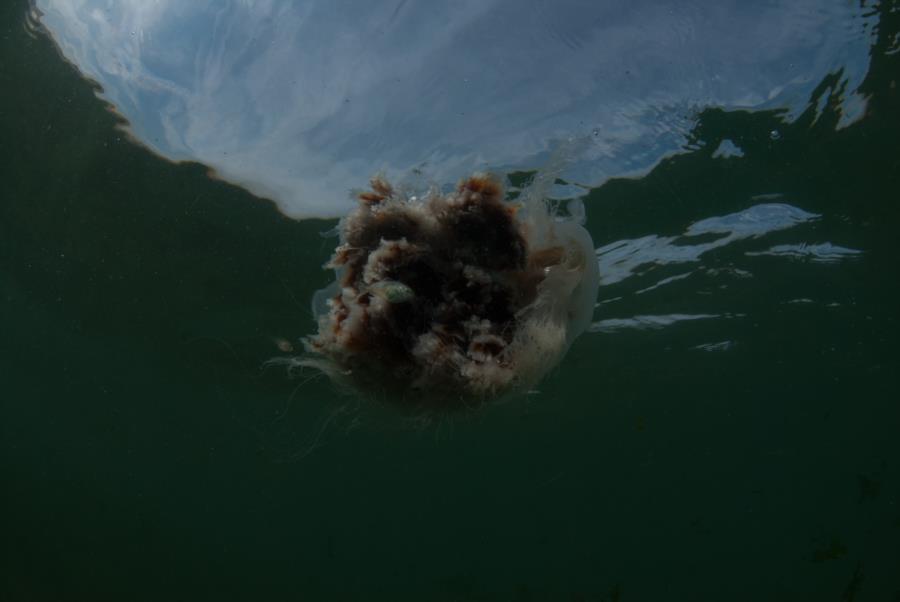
[(451, 300)]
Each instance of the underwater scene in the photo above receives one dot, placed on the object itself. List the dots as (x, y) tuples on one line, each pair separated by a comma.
[(481, 300)]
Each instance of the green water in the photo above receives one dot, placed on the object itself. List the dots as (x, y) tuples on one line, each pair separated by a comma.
[(146, 455)]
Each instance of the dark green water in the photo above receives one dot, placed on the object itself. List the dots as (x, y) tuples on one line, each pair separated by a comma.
[(145, 455)]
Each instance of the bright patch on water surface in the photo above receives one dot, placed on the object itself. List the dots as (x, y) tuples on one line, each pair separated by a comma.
[(303, 102)]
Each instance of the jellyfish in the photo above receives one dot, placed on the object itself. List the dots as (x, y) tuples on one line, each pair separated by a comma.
[(451, 300)]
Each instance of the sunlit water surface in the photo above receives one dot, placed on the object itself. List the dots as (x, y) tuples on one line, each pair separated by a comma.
[(302, 102)]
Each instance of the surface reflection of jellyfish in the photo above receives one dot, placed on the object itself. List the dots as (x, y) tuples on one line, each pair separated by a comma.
[(450, 300)]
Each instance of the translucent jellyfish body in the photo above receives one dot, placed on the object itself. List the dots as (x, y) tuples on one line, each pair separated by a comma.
[(454, 299)]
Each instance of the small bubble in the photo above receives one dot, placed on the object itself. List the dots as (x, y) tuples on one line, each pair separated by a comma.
[(775, 135), (596, 132)]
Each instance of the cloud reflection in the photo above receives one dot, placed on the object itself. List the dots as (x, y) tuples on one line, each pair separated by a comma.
[(625, 259), (815, 253), (621, 259), (303, 101), (648, 322)]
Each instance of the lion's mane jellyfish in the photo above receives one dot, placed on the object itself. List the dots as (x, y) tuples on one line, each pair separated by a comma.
[(448, 301)]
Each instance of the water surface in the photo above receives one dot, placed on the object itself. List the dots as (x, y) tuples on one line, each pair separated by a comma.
[(302, 102)]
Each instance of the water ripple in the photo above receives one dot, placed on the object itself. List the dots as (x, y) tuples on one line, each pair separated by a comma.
[(621, 259)]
